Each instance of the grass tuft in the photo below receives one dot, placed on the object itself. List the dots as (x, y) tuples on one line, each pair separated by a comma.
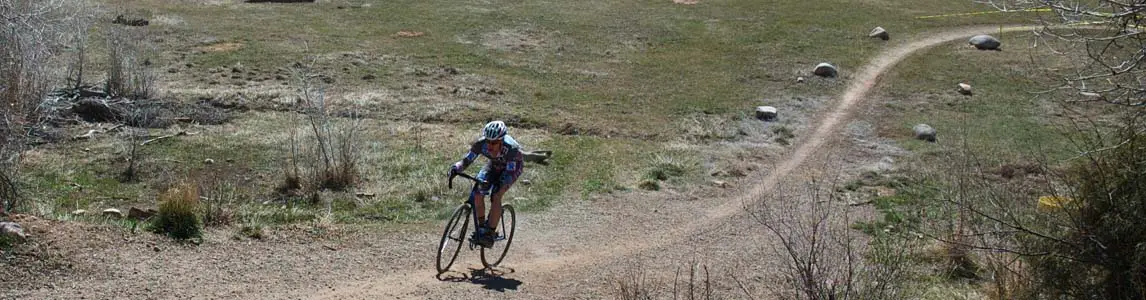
[(177, 216)]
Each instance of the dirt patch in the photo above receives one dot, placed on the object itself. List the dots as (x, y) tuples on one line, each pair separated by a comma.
[(409, 34), (169, 20), (221, 47), (517, 40)]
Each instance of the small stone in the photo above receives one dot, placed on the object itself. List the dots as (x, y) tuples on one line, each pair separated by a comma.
[(964, 88), (155, 248), (87, 149), (368, 77), (435, 198), (526, 182), (79, 212), (800, 79), (720, 184), (141, 214), (209, 161), (113, 213)]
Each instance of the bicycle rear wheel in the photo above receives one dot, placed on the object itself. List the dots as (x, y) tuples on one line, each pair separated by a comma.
[(493, 256), (455, 232)]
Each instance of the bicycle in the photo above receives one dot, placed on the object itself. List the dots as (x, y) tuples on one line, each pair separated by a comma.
[(461, 216)]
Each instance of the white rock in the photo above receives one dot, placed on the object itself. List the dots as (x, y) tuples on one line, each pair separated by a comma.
[(880, 33), (209, 161), (113, 213), (79, 212), (800, 79), (964, 89), (766, 113)]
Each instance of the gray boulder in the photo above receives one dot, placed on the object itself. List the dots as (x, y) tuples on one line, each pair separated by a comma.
[(12, 230), (924, 132), (985, 42), (825, 70), (766, 113)]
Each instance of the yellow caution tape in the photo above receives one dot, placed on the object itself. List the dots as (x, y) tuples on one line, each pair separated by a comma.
[(986, 12)]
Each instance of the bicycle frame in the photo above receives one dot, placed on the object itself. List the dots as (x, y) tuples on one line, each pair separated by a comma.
[(470, 200)]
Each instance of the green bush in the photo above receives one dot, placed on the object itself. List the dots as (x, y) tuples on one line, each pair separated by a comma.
[(177, 217), (1101, 254)]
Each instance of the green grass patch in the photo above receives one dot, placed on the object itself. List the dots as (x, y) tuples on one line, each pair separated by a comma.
[(901, 213), (732, 49), (1003, 121)]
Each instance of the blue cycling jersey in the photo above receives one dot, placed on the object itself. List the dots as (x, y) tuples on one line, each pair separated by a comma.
[(510, 159)]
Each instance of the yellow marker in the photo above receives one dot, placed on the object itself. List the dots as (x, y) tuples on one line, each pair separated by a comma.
[(1051, 203)]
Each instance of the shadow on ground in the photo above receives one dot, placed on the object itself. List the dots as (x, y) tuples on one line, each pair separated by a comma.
[(490, 279)]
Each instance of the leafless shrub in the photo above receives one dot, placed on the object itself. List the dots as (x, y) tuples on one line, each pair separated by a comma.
[(696, 288), (130, 72), (131, 138), (331, 149), (217, 196), (1102, 39), (696, 284), (635, 285), (824, 258), (31, 34), (78, 38)]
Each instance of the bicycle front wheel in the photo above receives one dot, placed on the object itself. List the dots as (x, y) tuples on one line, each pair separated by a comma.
[(493, 256), (455, 232)]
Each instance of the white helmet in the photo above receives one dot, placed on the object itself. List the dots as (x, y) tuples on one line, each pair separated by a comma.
[(494, 130)]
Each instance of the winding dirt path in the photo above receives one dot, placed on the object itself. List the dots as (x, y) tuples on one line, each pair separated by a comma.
[(409, 283)]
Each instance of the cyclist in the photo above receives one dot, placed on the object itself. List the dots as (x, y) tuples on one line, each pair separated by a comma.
[(505, 165)]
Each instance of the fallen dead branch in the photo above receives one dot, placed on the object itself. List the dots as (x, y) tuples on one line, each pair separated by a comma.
[(181, 133)]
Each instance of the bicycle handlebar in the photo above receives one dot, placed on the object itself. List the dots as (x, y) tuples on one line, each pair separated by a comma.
[(463, 175)]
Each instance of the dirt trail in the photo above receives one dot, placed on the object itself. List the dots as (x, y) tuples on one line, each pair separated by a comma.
[(406, 283)]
